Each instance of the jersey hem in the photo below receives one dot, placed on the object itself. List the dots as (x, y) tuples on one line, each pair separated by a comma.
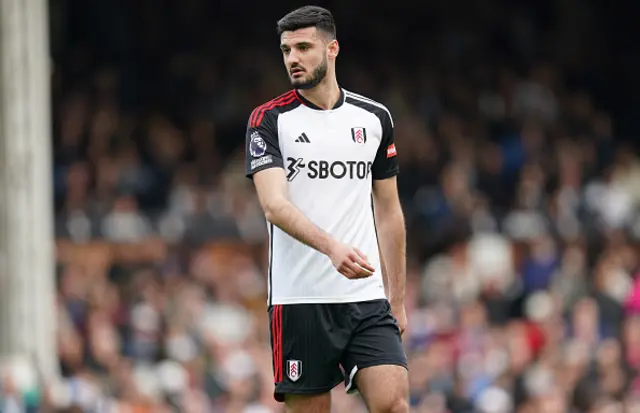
[(325, 300), (262, 168), (386, 175)]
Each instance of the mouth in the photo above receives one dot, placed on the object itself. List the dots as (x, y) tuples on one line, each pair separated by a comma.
[(296, 71)]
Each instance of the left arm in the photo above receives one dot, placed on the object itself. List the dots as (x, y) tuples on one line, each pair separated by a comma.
[(390, 220), (391, 238)]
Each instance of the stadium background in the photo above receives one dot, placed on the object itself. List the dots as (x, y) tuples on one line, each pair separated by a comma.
[(517, 131)]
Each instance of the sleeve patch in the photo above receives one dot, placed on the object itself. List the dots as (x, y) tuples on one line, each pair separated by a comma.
[(265, 160), (257, 145), (391, 151)]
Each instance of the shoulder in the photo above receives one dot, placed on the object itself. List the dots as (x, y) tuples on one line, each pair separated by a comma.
[(370, 105), (283, 103)]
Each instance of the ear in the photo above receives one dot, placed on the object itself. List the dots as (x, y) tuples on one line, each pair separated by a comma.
[(333, 48)]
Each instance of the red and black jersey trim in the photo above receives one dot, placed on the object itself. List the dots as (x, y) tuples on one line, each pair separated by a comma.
[(283, 100)]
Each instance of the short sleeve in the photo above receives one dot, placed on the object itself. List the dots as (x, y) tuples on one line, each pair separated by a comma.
[(385, 165), (262, 149)]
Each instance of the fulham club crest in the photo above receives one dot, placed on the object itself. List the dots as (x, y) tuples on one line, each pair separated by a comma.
[(359, 135), (294, 369)]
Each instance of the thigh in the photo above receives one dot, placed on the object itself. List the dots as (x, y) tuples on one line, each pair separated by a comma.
[(384, 388), (375, 341), (306, 350), (320, 403)]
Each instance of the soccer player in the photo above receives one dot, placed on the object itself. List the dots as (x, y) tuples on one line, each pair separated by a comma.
[(323, 161)]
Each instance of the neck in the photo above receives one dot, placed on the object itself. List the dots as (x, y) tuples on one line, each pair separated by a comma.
[(325, 95)]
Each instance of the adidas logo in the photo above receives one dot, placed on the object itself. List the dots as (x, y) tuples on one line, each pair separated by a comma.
[(303, 138)]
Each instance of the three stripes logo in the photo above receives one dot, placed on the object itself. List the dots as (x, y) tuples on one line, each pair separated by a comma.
[(303, 138)]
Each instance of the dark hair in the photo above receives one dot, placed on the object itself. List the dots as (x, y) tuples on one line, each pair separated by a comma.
[(308, 16)]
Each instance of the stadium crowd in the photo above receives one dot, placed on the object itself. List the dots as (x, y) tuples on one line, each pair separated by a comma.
[(522, 209)]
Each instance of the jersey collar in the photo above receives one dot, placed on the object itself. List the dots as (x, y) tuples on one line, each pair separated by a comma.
[(311, 105)]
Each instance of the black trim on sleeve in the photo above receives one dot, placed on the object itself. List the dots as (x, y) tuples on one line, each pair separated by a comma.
[(262, 146)]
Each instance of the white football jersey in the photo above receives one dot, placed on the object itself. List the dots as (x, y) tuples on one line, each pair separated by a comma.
[(330, 158)]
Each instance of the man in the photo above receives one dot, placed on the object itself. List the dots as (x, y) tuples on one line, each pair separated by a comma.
[(323, 161)]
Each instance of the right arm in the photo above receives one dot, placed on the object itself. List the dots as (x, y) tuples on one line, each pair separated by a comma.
[(265, 166), (271, 186)]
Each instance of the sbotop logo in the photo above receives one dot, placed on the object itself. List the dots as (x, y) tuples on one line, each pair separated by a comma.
[(321, 169)]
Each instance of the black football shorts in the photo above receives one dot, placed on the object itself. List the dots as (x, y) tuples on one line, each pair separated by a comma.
[(317, 346)]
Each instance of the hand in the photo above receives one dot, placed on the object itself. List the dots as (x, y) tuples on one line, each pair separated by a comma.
[(400, 315), (350, 262)]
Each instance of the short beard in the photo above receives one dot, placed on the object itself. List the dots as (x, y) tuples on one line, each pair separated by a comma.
[(318, 74)]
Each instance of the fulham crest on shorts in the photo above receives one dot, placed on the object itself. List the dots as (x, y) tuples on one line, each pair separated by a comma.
[(294, 369)]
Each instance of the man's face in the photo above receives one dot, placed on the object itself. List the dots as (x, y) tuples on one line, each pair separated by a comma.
[(306, 55)]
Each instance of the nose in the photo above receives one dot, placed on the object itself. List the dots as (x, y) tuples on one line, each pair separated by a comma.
[(292, 58)]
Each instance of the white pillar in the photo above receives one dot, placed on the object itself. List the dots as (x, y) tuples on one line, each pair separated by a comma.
[(27, 269)]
